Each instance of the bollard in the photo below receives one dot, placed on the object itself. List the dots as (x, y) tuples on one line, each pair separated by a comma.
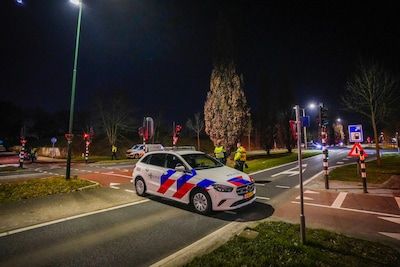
[(325, 157), (87, 152), (363, 171)]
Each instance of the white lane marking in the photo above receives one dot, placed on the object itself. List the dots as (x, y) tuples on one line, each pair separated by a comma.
[(113, 185), (339, 200), (96, 172), (398, 201), (311, 179), (264, 198), (108, 172), (291, 172), (130, 191), (89, 171), (19, 230), (340, 162), (218, 237), (310, 192), (259, 184), (306, 198), (282, 186), (391, 219), (392, 235), (348, 209), (114, 174)]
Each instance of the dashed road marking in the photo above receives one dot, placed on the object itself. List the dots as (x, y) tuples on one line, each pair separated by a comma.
[(340, 162), (310, 192), (391, 219), (71, 218), (259, 184), (113, 185), (392, 235), (306, 198), (282, 186), (130, 191), (339, 200), (349, 209), (264, 198), (398, 201)]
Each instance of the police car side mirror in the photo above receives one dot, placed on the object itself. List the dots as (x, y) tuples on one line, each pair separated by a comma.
[(180, 168)]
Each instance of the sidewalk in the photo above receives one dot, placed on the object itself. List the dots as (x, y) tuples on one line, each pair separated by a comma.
[(40, 210), (344, 208)]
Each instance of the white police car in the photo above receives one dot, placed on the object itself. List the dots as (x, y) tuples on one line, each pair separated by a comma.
[(193, 178)]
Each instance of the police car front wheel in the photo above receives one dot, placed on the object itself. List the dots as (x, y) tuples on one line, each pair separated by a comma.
[(140, 186), (201, 201)]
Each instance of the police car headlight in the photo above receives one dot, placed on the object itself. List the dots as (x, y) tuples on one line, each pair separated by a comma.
[(222, 188)]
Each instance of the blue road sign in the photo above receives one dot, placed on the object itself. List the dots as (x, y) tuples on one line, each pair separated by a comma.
[(305, 121), (356, 133)]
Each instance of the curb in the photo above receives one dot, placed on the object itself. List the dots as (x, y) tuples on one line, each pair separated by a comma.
[(95, 185), (202, 246)]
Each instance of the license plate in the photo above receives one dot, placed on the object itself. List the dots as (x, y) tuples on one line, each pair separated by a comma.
[(249, 195)]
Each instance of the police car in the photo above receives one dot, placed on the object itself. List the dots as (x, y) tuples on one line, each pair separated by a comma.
[(194, 178)]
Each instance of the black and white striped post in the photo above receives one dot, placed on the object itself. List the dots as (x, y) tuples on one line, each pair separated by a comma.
[(363, 171), (87, 151), (22, 152), (325, 156)]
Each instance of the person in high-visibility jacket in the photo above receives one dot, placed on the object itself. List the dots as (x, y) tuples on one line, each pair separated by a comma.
[(114, 152), (220, 152), (240, 157)]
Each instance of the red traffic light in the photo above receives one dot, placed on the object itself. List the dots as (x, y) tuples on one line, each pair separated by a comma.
[(86, 136)]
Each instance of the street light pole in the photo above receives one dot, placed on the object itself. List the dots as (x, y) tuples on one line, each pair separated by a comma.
[(302, 218), (305, 130), (71, 110)]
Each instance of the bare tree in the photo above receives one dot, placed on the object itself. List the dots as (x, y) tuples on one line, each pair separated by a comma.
[(249, 130), (115, 115), (197, 126), (371, 93)]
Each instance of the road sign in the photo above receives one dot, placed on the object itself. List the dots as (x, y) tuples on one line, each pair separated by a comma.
[(355, 151), (53, 140), (69, 136), (305, 121), (356, 133)]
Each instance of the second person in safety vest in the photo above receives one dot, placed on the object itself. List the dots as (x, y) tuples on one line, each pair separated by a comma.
[(220, 152), (240, 157)]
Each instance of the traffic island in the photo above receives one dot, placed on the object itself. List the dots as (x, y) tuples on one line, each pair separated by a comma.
[(278, 244)]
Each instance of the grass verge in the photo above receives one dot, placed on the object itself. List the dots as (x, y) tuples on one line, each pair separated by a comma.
[(376, 175), (277, 244), (264, 161), (10, 169), (14, 191)]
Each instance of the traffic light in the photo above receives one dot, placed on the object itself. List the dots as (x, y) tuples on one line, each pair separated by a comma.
[(178, 129), (86, 136), (324, 116)]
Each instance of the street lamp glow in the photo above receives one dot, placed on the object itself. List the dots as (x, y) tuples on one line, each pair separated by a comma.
[(76, 2), (312, 106), (338, 119)]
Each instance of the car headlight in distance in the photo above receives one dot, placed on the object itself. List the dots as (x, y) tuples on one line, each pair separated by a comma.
[(222, 188)]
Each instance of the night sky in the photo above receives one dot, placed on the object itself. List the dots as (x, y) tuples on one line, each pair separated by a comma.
[(162, 51)]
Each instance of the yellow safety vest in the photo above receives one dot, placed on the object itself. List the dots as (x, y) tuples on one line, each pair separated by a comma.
[(114, 149), (219, 152), (240, 154)]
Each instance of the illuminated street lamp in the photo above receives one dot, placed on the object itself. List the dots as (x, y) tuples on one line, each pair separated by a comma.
[(339, 120), (71, 111)]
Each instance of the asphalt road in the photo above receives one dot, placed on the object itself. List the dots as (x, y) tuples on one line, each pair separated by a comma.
[(145, 233)]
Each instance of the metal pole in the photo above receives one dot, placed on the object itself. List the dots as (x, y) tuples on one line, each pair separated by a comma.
[(299, 156), (305, 130), (71, 110)]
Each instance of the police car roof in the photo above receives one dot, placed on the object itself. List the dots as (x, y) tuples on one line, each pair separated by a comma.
[(179, 152)]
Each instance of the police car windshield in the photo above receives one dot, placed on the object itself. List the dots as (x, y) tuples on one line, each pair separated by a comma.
[(201, 161)]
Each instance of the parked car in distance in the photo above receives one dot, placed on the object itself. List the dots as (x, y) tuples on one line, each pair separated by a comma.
[(135, 152), (138, 150)]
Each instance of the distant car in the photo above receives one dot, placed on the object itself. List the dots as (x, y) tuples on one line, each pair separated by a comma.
[(137, 151), (314, 145), (193, 178)]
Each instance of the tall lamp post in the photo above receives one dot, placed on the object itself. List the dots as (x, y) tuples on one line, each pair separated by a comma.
[(71, 110)]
